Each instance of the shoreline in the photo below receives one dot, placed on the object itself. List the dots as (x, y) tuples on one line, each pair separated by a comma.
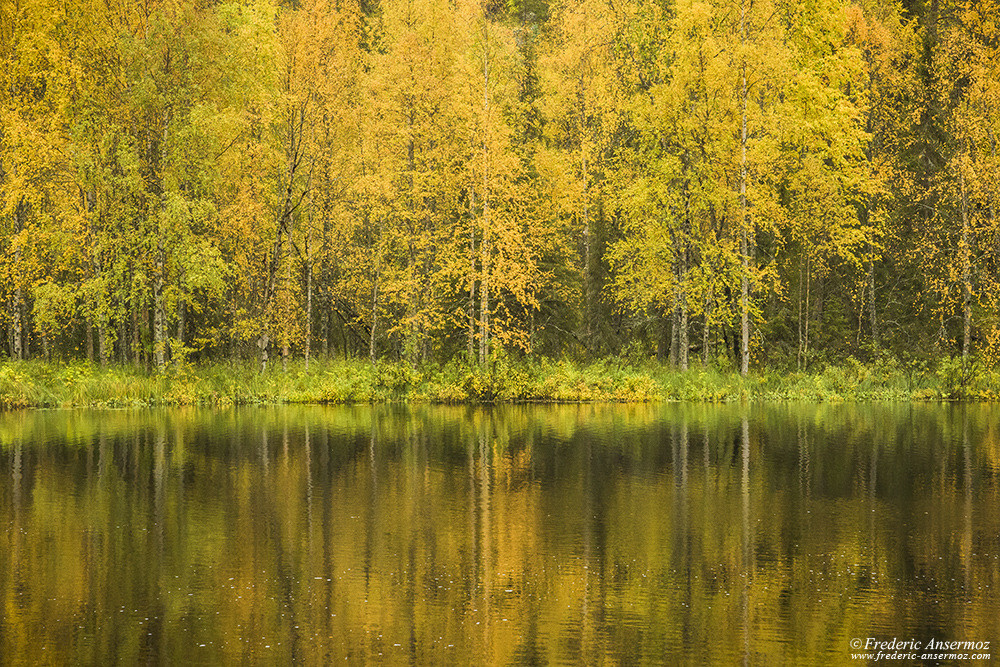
[(79, 384)]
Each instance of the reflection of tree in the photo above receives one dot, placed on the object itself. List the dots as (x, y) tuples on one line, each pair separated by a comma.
[(967, 523), (513, 535), (748, 556), (485, 550)]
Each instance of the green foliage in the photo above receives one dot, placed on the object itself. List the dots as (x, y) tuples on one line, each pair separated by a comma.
[(503, 380)]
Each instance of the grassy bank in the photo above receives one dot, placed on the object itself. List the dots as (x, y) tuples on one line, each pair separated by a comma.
[(44, 384)]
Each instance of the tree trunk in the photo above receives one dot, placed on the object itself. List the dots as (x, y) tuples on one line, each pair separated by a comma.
[(17, 337), (798, 352), (17, 324), (805, 344), (706, 336), (682, 338), (147, 357), (410, 331), (285, 333), (159, 315), (232, 324), (993, 190), (159, 324), (675, 328), (484, 306), (484, 245), (471, 308), (326, 328), (805, 311), (966, 270), (744, 214), (262, 343), (345, 339), (294, 158), (122, 343), (181, 312), (309, 307), (158, 150), (871, 295), (136, 347), (588, 287), (371, 337), (102, 344)]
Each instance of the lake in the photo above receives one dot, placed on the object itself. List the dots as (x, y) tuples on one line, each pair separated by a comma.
[(633, 534)]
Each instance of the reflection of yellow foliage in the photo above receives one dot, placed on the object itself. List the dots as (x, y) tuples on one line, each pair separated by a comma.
[(452, 535)]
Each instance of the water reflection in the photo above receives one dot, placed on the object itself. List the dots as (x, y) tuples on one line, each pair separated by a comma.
[(514, 535)]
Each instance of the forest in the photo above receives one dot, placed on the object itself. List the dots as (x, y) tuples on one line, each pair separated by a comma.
[(738, 184)]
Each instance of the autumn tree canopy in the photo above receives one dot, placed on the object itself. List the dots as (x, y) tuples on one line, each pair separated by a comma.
[(706, 181)]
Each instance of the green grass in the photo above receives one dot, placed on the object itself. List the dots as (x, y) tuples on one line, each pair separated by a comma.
[(75, 384)]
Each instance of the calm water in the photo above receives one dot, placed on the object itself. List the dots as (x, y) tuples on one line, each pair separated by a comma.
[(524, 535)]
